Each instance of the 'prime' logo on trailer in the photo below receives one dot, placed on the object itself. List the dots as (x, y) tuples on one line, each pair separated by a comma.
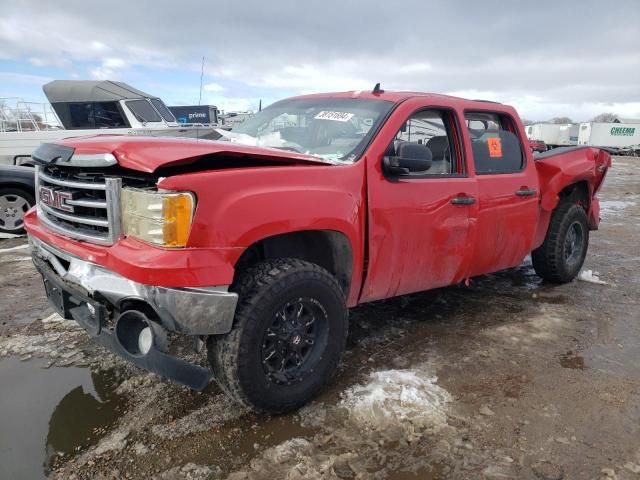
[(623, 131)]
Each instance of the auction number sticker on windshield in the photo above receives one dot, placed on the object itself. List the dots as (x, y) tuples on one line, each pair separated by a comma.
[(335, 116), (495, 147)]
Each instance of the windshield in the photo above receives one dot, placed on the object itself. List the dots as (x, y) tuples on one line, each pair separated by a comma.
[(335, 129), (143, 111)]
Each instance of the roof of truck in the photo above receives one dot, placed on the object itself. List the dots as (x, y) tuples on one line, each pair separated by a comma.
[(391, 96)]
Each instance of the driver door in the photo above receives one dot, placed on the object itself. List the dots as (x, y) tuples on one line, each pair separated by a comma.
[(420, 224)]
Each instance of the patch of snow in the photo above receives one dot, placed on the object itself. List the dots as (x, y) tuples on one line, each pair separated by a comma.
[(288, 450), (218, 411), (190, 471), (591, 277), (54, 317), (140, 449), (632, 467), (114, 442), (398, 398), (13, 258), (485, 410), (542, 327), (11, 249), (614, 207), (53, 343)]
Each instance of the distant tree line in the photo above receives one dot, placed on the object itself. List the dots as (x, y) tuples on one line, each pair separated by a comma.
[(605, 118)]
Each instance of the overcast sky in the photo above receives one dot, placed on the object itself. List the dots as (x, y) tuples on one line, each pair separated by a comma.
[(548, 58)]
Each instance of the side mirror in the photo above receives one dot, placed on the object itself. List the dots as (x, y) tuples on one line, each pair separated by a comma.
[(409, 158)]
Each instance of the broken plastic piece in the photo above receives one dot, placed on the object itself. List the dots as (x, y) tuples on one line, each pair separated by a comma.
[(591, 277)]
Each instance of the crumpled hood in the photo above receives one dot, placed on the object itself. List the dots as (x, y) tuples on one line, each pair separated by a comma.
[(147, 154)]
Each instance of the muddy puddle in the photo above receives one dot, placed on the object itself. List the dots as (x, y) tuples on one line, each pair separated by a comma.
[(50, 413)]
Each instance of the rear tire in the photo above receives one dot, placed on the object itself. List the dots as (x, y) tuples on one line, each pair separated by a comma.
[(289, 331), (560, 257), (14, 203)]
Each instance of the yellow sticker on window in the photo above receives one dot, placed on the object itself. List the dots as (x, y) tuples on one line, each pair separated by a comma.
[(495, 147)]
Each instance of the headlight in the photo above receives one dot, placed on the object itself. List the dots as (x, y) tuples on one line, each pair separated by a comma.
[(163, 218)]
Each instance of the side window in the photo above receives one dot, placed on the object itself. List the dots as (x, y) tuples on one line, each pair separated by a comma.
[(496, 147), (143, 111), (430, 128), (163, 110), (81, 115), (107, 115), (96, 115)]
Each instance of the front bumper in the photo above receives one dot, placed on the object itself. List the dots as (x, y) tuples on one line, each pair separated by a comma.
[(93, 296), (192, 311)]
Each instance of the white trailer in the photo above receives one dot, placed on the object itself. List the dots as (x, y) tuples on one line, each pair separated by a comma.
[(614, 135), (553, 135), (569, 134)]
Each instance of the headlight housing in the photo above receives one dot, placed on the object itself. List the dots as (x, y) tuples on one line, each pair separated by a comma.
[(161, 218)]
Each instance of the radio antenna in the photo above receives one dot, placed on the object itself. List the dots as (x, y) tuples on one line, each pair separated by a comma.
[(201, 77)]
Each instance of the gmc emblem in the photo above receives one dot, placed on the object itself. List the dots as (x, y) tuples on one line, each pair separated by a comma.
[(56, 199)]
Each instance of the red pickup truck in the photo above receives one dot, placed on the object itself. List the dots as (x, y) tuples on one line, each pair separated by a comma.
[(259, 242), (538, 146)]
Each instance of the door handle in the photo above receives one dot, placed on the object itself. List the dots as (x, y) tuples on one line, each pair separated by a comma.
[(525, 192), (462, 200)]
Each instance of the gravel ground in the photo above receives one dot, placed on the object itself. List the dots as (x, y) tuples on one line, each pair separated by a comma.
[(508, 378)]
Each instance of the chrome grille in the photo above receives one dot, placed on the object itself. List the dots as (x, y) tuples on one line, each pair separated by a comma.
[(80, 203)]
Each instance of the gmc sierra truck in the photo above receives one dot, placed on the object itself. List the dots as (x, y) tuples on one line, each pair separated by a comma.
[(258, 243)]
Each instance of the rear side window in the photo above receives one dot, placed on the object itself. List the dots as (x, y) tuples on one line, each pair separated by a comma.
[(496, 146)]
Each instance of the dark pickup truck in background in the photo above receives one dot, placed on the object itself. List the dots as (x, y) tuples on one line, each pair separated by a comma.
[(17, 196)]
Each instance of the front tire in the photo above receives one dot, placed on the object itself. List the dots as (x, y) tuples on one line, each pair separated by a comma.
[(289, 331), (560, 257)]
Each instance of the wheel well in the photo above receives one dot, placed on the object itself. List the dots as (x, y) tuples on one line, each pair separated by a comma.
[(576, 193), (17, 186), (327, 248), (132, 303)]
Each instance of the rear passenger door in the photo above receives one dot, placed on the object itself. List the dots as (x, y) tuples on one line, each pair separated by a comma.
[(507, 192)]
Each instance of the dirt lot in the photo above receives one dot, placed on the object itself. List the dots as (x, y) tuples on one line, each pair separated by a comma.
[(507, 378)]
